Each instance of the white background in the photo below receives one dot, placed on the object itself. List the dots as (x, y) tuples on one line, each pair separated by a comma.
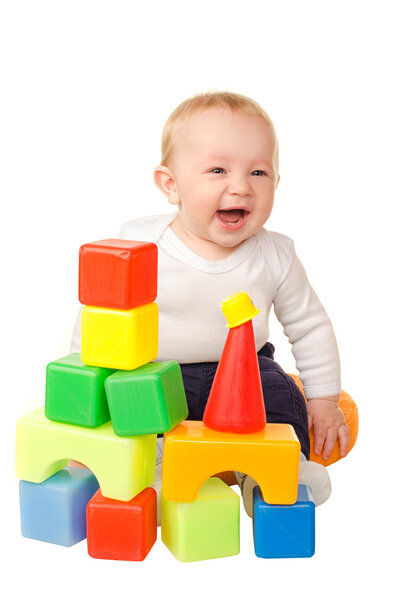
[(86, 88)]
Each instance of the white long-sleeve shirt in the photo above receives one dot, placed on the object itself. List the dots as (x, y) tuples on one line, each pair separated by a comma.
[(192, 327)]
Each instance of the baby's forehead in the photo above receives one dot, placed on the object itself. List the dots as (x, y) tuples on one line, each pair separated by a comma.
[(218, 119), (224, 134)]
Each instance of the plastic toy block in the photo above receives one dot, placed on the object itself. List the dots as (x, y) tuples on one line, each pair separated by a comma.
[(123, 466), (55, 511), (150, 399), (193, 452), (122, 530), (284, 531), (119, 339), (203, 529), (75, 393), (236, 401), (117, 273)]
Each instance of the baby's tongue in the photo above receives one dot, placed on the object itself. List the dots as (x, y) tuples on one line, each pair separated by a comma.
[(230, 216)]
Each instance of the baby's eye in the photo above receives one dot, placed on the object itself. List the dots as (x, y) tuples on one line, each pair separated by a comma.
[(258, 172), (217, 170)]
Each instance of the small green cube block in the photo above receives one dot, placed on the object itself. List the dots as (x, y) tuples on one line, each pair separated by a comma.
[(75, 392), (206, 528), (150, 399)]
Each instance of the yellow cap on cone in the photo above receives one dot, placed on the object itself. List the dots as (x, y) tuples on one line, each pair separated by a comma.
[(238, 309)]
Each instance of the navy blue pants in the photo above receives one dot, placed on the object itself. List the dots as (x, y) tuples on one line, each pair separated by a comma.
[(283, 400)]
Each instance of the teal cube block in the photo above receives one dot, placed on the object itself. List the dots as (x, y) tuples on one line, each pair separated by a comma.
[(150, 399), (75, 392), (54, 511), (284, 531)]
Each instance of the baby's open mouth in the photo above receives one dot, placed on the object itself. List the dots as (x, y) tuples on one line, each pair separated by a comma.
[(232, 216)]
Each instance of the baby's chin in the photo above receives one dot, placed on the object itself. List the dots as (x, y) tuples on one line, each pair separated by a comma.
[(231, 242)]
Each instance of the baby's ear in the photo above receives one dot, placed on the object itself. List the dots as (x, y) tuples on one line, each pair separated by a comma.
[(165, 181)]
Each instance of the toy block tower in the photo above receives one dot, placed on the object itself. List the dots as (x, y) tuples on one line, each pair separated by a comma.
[(112, 379), (105, 407), (234, 435)]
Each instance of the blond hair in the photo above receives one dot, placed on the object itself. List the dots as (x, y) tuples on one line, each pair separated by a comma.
[(201, 102)]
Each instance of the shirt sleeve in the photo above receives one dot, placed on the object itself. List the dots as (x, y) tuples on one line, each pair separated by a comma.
[(309, 330)]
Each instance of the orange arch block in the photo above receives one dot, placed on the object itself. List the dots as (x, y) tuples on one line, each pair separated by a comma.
[(350, 411), (193, 453)]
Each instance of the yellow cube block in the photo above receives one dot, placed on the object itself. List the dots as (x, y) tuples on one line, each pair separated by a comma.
[(193, 453), (119, 339)]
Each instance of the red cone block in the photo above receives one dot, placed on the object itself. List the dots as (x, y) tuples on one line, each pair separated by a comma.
[(236, 402)]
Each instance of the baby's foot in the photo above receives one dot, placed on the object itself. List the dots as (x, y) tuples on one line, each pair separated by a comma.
[(317, 477), (246, 485), (310, 473)]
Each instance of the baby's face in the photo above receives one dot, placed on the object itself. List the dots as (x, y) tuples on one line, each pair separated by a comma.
[(225, 178)]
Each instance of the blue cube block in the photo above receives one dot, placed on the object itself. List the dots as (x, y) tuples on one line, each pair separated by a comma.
[(284, 531), (55, 510)]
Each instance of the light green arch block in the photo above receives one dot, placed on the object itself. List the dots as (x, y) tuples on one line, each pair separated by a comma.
[(123, 466)]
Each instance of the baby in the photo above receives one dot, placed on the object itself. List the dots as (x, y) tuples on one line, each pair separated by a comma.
[(220, 168)]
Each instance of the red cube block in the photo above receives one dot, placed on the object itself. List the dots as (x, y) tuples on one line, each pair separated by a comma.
[(118, 273), (122, 530)]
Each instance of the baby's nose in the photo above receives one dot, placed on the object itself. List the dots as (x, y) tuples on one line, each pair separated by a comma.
[(239, 185)]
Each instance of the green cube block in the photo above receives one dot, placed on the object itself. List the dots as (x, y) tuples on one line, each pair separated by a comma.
[(75, 392), (150, 399), (206, 528)]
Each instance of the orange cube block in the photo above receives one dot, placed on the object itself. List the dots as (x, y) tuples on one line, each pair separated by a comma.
[(122, 530), (193, 453)]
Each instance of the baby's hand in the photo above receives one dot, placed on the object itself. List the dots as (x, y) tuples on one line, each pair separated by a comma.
[(329, 424)]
